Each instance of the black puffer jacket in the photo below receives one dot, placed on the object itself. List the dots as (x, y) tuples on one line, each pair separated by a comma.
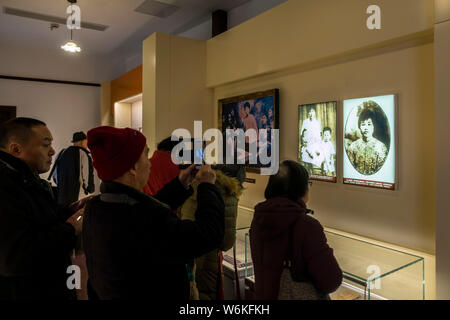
[(35, 241), (136, 248)]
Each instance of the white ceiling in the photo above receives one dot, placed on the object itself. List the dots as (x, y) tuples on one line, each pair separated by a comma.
[(126, 27)]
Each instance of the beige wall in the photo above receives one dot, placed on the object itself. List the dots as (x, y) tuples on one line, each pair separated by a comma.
[(405, 216), (136, 115), (106, 114), (174, 86), (149, 90), (442, 67), (122, 115), (302, 31), (320, 51)]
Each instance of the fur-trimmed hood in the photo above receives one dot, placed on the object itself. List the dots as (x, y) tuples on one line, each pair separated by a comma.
[(228, 185)]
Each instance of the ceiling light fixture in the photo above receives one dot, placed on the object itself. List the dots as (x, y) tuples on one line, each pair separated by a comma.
[(71, 46)]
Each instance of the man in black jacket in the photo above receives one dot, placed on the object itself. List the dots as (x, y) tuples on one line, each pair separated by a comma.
[(35, 239), (136, 248), (73, 171)]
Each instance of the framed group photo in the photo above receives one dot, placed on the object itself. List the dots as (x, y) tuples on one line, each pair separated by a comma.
[(258, 111), (317, 140)]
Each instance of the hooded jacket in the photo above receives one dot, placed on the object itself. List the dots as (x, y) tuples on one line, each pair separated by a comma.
[(207, 266), (281, 229)]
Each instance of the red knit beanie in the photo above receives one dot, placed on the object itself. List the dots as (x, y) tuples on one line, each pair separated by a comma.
[(114, 151)]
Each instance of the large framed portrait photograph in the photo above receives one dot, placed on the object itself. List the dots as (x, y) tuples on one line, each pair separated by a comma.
[(317, 140), (369, 142), (257, 111)]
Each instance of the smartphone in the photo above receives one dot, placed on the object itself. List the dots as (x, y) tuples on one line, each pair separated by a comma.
[(196, 155)]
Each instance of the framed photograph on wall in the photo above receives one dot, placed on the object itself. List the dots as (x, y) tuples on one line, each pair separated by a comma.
[(317, 140), (370, 142), (258, 111)]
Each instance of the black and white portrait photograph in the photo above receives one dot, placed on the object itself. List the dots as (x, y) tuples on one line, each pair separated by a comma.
[(317, 140), (368, 137)]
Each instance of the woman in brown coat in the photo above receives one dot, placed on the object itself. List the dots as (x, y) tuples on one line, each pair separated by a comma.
[(282, 232)]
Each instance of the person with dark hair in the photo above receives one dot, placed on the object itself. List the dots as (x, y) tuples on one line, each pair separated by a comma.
[(270, 119), (367, 154), (328, 152), (36, 236), (259, 113), (73, 171), (287, 245), (164, 170), (143, 248), (206, 273), (310, 140), (249, 122)]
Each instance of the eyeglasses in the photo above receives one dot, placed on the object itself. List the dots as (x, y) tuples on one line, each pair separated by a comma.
[(310, 183)]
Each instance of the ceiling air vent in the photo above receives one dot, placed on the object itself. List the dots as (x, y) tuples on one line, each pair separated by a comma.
[(157, 9), (52, 19)]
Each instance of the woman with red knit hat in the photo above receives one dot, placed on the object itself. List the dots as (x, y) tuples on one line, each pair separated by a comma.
[(135, 247)]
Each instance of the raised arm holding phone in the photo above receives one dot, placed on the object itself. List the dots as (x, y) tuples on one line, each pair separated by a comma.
[(136, 248)]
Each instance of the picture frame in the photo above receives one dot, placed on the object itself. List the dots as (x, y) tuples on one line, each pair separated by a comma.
[(318, 140), (259, 110), (369, 172)]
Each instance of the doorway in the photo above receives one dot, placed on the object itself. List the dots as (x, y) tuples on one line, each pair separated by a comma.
[(128, 113)]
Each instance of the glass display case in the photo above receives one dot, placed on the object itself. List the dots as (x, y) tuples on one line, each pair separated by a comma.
[(377, 272), (237, 256), (371, 272), (241, 251)]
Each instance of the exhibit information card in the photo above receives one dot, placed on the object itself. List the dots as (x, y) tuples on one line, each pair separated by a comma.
[(369, 142)]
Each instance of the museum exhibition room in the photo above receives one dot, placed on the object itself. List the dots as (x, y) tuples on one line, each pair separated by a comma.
[(353, 92)]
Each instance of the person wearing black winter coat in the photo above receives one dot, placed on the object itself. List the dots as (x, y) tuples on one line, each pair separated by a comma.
[(35, 239), (73, 171), (136, 248)]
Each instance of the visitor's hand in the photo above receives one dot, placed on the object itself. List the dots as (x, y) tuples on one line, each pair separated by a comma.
[(187, 175), (206, 175), (80, 204), (77, 221)]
